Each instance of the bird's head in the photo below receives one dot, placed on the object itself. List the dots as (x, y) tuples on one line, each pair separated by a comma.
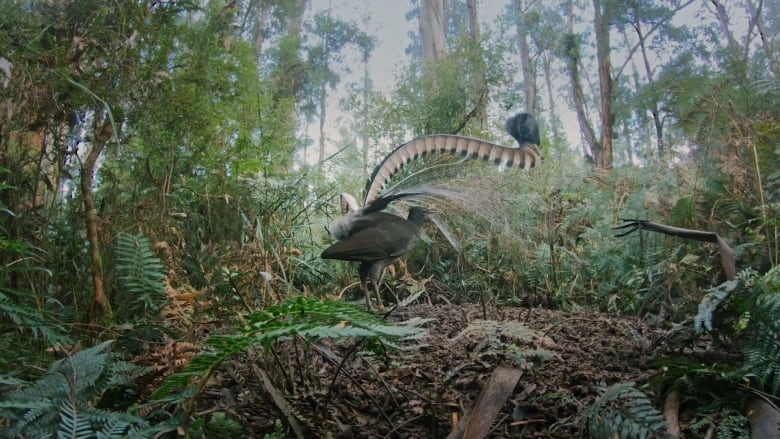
[(418, 214)]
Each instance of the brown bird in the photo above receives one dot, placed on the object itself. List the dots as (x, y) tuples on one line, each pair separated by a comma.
[(376, 240)]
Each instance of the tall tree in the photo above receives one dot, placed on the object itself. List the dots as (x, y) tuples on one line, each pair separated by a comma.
[(529, 75), (602, 153), (432, 35), (285, 76), (757, 18), (480, 85), (600, 147), (325, 62), (646, 18), (571, 47), (89, 66)]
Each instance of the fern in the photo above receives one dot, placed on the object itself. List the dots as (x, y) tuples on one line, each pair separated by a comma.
[(62, 401), (501, 338), (141, 273), (304, 316), (624, 411), (762, 351)]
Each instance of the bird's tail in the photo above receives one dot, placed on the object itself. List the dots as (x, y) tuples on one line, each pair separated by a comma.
[(524, 157)]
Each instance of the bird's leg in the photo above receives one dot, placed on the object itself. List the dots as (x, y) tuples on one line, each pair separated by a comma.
[(364, 287), (378, 296)]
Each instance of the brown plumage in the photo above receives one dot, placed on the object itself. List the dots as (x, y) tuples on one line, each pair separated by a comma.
[(376, 240)]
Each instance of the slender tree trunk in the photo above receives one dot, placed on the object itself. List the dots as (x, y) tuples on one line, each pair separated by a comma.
[(323, 100), (479, 78), (548, 79), (653, 105), (529, 80), (766, 43), (256, 13), (723, 20), (604, 154), (100, 311), (367, 85), (364, 118), (432, 35), (286, 78), (572, 58)]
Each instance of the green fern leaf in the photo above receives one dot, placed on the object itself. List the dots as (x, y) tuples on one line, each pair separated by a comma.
[(303, 316), (141, 273), (625, 411)]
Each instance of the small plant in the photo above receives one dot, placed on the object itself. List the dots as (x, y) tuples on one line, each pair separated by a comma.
[(141, 273), (65, 401), (306, 317), (626, 412)]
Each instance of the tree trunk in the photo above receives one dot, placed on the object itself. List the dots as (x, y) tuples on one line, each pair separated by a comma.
[(653, 105), (100, 310), (432, 30), (548, 78), (573, 57), (766, 43), (529, 80), (364, 118), (323, 99), (603, 154), (480, 87), (723, 20)]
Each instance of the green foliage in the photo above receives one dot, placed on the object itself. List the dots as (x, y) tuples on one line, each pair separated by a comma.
[(222, 425), (278, 432), (142, 275), (19, 308), (731, 425), (762, 331), (304, 317), (749, 314), (65, 400), (626, 412)]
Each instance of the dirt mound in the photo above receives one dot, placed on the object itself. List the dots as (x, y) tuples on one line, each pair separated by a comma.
[(423, 389)]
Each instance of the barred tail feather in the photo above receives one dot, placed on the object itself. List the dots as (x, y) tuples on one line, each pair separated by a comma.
[(524, 157)]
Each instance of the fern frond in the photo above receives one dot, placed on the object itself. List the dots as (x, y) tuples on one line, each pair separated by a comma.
[(62, 402), (626, 412), (141, 272), (71, 424), (303, 316)]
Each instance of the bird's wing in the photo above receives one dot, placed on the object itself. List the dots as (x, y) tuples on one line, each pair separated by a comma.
[(354, 249), (374, 237)]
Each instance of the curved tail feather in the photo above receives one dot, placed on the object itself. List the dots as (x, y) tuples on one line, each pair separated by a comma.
[(524, 157)]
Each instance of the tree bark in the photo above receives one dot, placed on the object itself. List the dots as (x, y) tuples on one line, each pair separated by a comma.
[(100, 310), (653, 106), (432, 30), (766, 43), (603, 155), (529, 79), (480, 87), (723, 20), (323, 99), (573, 57), (548, 78)]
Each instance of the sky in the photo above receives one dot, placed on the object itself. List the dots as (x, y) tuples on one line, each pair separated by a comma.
[(390, 27)]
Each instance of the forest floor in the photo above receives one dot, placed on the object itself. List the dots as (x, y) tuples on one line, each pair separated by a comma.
[(566, 361)]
